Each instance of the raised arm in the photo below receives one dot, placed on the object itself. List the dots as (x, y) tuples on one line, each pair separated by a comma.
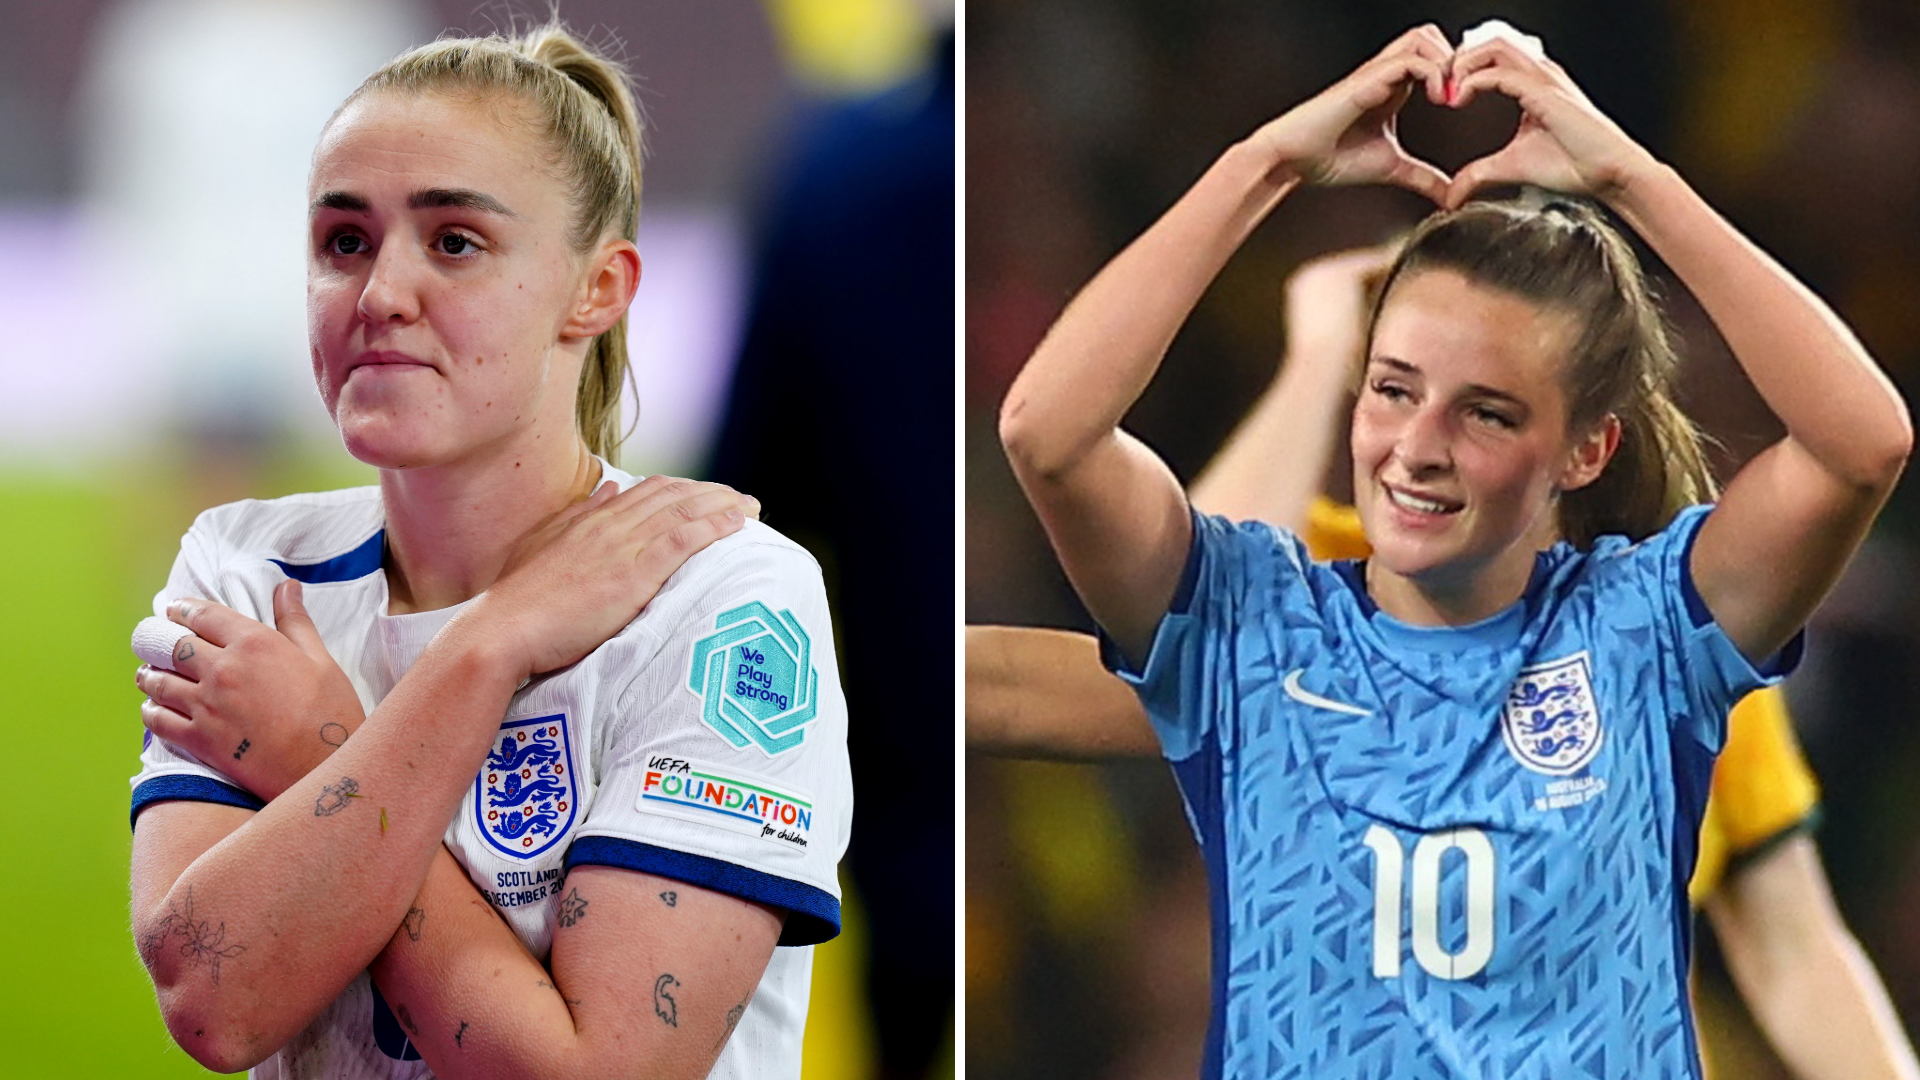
[(1112, 509), (1276, 460), (1791, 519), (254, 937)]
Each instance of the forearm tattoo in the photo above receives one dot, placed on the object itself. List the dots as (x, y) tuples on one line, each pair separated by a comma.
[(545, 985), (334, 735), (733, 1018), (573, 908), (664, 1006), (415, 922), (333, 797), (201, 942)]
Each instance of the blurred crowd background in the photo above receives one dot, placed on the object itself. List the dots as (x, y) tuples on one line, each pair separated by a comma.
[(153, 159), (1086, 946)]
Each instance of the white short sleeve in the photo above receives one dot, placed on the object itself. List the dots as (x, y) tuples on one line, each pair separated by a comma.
[(167, 772), (724, 764)]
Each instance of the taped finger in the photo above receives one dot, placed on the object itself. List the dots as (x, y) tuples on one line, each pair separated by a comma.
[(1502, 30), (155, 638)]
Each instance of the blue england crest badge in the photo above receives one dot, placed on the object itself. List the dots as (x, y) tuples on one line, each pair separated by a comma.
[(525, 797), (1550, 721)]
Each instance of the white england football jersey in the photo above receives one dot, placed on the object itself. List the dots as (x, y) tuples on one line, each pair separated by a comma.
[(705, 742)]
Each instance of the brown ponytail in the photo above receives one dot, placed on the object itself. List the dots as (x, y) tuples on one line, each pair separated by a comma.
[(586, 108), (1561, 253)]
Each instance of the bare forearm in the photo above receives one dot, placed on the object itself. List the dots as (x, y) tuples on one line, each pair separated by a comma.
[(1830, 1019), (1802, 973), (275, 920), (1105, 348), (1275, 461), (471, 997), (1044, 693), (1808, 366), (647, 977)]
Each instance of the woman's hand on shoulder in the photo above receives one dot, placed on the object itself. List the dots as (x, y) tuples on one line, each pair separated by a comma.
[(262, 705), (1347, 134), (1563, 143), (576, 579)]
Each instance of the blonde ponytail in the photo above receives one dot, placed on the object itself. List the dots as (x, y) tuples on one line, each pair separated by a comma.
[(585, 105)]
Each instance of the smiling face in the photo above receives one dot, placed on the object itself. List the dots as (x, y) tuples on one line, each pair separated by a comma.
[(1461, 440), (442, 294)]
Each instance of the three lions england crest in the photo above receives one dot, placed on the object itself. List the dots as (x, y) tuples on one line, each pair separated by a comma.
[(525, 797), (1549, 719)]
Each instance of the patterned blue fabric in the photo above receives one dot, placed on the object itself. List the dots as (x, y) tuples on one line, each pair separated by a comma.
[(1445, 852)]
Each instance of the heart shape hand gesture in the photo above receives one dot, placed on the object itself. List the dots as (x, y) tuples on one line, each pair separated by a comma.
[(1347, 133)]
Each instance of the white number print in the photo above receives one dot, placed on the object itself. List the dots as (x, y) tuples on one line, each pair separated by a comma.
[(1389, 874)]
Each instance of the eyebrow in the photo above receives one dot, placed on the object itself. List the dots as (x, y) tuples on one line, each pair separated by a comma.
[(1478, 389), (424, 199), (456, 199)]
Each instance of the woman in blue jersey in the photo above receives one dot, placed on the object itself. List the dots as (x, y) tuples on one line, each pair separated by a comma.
[(471, 806), (1447, 796)]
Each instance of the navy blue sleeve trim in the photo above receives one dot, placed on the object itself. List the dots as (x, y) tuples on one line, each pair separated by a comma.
[(1190, 573), (190, 789), (1110, 653), (355, 564), (813, 915), (1780, 664), (1697, 612)]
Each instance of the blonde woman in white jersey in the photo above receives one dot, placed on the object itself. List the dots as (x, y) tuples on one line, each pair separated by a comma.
[(427, 792)]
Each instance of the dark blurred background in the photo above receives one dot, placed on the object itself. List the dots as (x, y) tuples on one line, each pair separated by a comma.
[(1798, 119), (153, 160)]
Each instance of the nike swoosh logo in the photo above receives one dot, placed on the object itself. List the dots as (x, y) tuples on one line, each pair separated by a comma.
[(1307, 697)]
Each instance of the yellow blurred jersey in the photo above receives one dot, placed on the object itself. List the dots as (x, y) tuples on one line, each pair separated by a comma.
[(1762, 787)]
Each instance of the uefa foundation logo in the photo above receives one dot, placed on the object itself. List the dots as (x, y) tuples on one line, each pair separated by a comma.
[(755, 678)]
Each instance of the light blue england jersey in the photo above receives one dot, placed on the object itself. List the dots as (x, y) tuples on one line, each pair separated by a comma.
[(1455, 852)]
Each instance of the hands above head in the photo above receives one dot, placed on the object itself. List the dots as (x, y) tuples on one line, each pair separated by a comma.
[(1347, 134), (262, 705), (579, 577), (1563, 142)]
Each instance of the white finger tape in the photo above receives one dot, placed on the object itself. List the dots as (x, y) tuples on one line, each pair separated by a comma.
[(154, 640), (1501, 28)]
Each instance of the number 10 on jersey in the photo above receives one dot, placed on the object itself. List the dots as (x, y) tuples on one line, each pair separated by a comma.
[(1391, 898)]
